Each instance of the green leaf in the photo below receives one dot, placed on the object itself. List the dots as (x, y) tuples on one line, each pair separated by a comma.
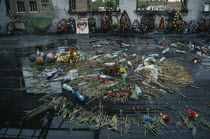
[(194, 131)]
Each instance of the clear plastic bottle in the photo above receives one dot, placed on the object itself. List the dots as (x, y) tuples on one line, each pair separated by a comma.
[(138, 91), (68, 88), (69, 78)]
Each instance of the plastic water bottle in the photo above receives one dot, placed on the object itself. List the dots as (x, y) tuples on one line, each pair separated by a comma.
[(124, 54), (114, 56), (147, 118), (68, 88), (153, 55), (107, 55), (51, 74), (59, 69), (106, 77), (79, 97), (159, 47), (138, 90), (69, 78), (198, 48), (166, 50), (109, 64), (117, 53), (173, 45), (122, 60), (124, 76), (143, 57), (182, 52), (96, 46), (162, 59)]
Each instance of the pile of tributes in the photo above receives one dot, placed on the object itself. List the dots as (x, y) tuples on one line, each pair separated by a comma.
[(111, 76)]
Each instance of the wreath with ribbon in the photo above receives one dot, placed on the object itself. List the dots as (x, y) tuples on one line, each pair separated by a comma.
[(202, 25), (125, 22), (91, 24), (161, 25), (105, 22), (136, 26), (144, 24), (63, 26), (178, 22), (193, 26)]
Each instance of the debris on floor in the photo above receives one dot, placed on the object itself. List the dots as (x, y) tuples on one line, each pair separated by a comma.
[(113, 72)]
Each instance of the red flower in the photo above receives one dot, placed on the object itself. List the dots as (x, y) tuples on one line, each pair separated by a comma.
[(193, 114), (166, 117), (113, 95), (182, 47), (119, 90), (203, 51), (129, 91), (122, 95), (106, 93), (163, 44), (134, 107)]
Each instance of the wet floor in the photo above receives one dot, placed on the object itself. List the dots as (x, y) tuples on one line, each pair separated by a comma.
[(14, 102)]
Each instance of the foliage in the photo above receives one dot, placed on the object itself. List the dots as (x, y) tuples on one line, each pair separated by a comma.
[(100, 3), (39, 22), (96, 4), (142, 3)]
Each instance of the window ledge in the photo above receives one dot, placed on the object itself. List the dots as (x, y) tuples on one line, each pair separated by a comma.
[(21, 12), (33, 12), (46, 11), (158, 12), (206, 12), (95, 12)]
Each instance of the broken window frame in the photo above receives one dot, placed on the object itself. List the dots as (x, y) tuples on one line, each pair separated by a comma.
[(103, 7), (72, 5), (20, 8), (33, 7), (208, 10), (183, 6), (45, 4)]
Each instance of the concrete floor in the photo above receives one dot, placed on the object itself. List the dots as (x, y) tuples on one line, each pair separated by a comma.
[(13, 103)]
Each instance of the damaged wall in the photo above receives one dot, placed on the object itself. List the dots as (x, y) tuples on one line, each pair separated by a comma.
[(4, 18), (195, 8), (61, 8)]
